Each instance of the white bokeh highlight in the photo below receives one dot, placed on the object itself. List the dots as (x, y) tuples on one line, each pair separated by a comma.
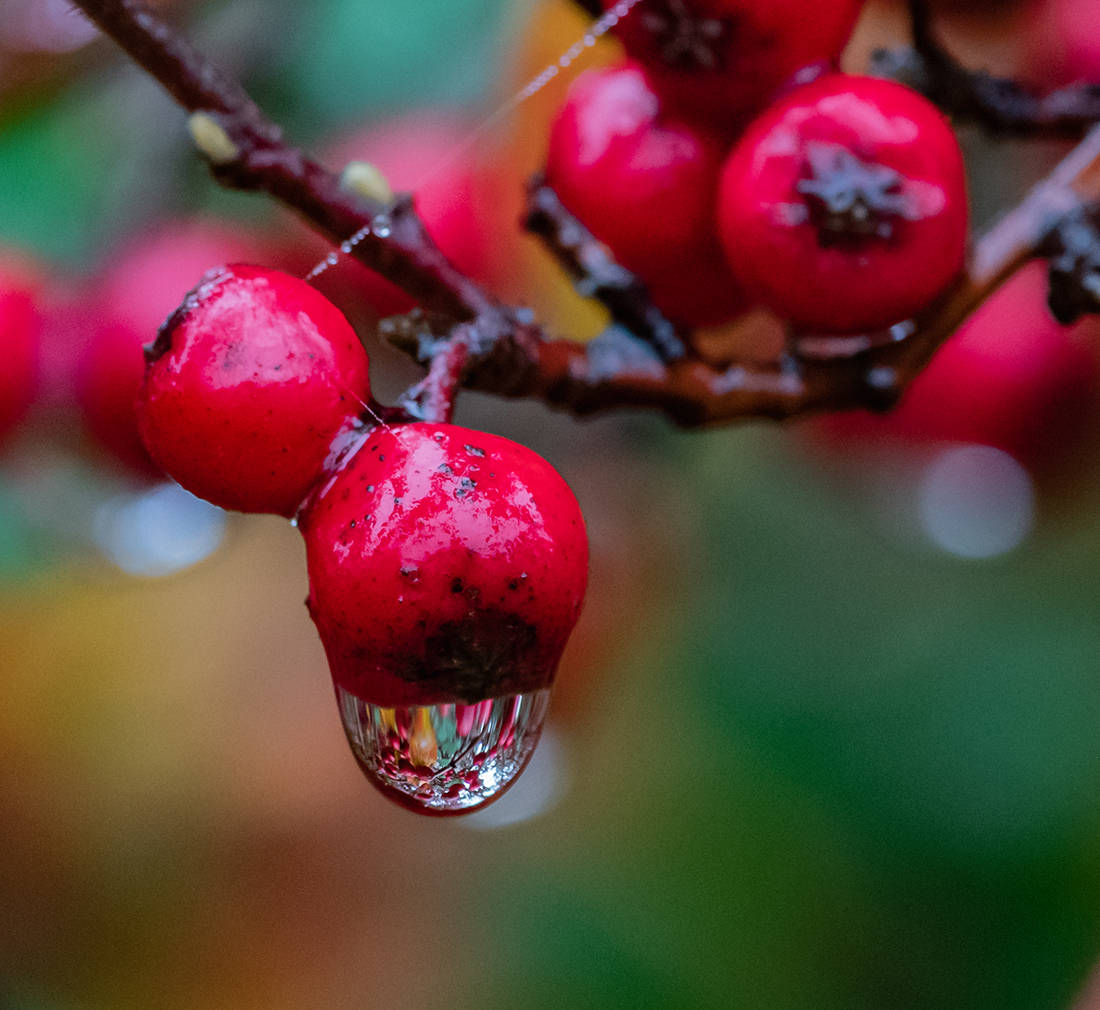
[(975, 501), (158, 532)]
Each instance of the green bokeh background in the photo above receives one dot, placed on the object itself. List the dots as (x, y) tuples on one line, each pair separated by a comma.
[(813, 765)]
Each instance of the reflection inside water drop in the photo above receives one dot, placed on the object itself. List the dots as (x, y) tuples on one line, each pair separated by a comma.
[(444, 759)]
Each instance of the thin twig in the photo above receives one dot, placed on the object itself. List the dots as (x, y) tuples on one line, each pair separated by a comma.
[(595, 273)]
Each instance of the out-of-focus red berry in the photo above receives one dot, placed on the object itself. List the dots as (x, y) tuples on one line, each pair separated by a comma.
[(458, 198), (843, 208), (138, 293), (1010, 378), (20, 328), (445, 565), (722, 60), (248, 384), (1062, 44), (645, 185)]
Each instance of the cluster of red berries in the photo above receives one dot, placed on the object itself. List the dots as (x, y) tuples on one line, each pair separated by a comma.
[(722, 181), (447, 567)]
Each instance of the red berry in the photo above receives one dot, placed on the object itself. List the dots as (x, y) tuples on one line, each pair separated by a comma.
[(20, 326), (722, 60), (141, 290), (247, 386), (645, 185), (458, 199), (1010, 378), (445, 565), (1062, 44), (843, 208)]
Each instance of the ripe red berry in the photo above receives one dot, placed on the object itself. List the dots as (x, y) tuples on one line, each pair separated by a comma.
[(1010, 378), (645, 185), (843, 208), (722, 60), (20, 325), (248, 383), (465, 205), (142, 288), (447, 568)]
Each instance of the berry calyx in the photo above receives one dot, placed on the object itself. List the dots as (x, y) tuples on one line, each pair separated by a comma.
[(843, 208), (445, 565), (722, 60), (247, 385), (645, 185)]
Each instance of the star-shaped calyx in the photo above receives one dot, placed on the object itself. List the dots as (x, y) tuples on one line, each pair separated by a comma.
[(851, 201), (684, 39)]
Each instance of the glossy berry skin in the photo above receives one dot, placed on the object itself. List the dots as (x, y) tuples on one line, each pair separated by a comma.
[(445, 565), (20, 328), (645, 185), (843, 208), (142, 288), (721, 61), (247, 385)]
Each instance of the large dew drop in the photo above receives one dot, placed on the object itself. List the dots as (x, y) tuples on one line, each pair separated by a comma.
[(444, 759)]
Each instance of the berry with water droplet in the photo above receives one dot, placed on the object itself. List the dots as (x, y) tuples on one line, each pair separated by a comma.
[(843, 208), (447, 568), (248, 384), (645, 184), (722, 60)]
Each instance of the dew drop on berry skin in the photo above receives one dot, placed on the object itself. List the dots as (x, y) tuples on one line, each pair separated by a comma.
[(444, 759)]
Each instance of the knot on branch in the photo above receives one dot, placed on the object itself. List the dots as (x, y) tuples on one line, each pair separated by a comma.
[(1074, 251)]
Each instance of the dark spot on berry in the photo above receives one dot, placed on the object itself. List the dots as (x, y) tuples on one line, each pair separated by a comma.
[(488, 654), (351, 525), (513, 584), (381, 457), (457, 585), (444, 469), (473, 450)]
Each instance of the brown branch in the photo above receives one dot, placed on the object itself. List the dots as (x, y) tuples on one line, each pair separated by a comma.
[(508, 355), (401, 249), (594, 272)]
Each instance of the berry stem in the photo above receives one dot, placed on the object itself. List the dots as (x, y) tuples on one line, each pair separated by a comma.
[(433, 398)]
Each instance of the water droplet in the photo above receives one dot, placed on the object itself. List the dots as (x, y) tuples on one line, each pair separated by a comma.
[(444, 759), (382, 226)]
